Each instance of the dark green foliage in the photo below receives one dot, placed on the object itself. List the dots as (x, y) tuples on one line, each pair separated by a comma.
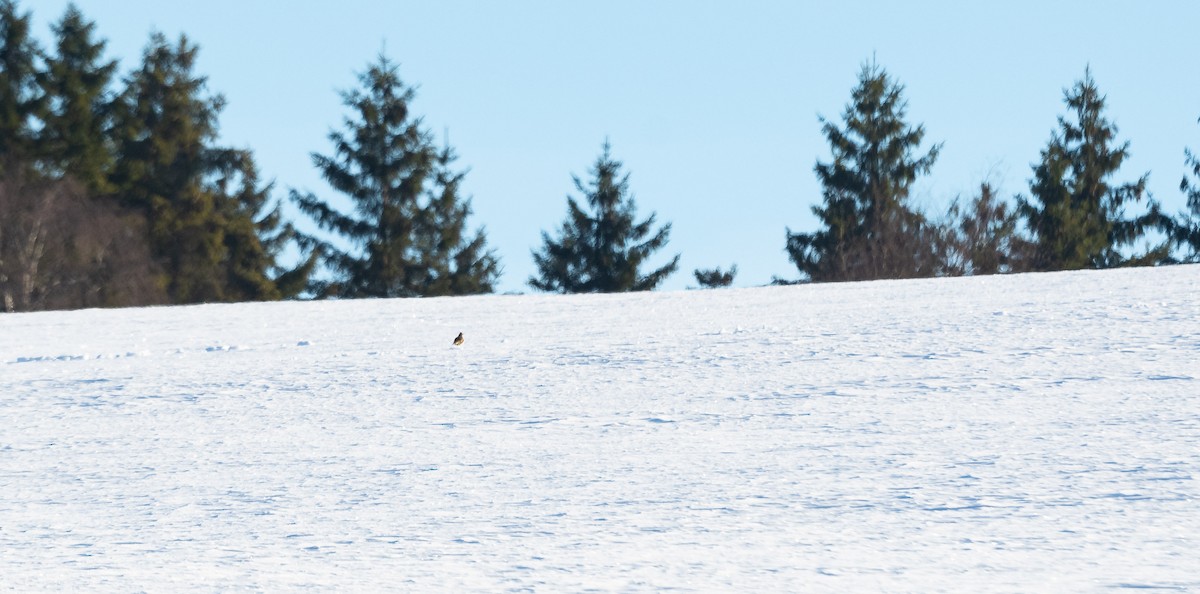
[(1076, 217), (20, 99), (200, 223), (76, 136), (601, 251), (1185, 231), (981, 238), (869, 229), (254, 234), (407, 236), (62, 245), (455, 263), (715, 278), (166, 126)]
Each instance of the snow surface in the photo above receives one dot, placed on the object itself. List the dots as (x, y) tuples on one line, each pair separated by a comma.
[(1018, 433)]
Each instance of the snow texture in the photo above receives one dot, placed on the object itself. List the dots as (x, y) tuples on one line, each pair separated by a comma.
[(1017, 433)]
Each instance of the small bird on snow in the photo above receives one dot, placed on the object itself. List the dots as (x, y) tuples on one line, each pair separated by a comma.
[(458, 339)]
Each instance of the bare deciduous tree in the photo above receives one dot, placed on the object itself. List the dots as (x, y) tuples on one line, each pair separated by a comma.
[(61, 249)]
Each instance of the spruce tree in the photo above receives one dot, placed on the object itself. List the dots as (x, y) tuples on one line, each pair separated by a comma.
[(201, 225), (602, 251), (62, 244), (406, 237), (456, 264), (165, 126), (1075, 215), (255, 234), (77, 125), (869, 228), (21, 100)]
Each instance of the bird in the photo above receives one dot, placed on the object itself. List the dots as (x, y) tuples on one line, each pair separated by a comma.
[(458, 339)]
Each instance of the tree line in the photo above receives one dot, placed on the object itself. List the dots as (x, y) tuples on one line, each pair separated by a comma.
[(1075, 214), (117, 197), (114, 192)]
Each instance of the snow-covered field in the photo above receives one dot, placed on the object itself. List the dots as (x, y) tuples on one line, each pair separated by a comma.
[(1020, 433)]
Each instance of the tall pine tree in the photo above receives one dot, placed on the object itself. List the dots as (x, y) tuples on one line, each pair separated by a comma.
[(406, 237), (166, 125), (77, 135), (1074, 213), (60, 247), (21, 100), (456, 263), (255, 234), (869, 228), (25, 215), (602, 251), (201, 225)]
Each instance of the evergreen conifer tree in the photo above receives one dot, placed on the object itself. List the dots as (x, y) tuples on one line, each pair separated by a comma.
[(406, 237), (869, 228), (61, 246), (602, 251), (77, 135), (456, 264), (1074, 213), (21, 100), (255, 234), (200, 225), (165, 127)]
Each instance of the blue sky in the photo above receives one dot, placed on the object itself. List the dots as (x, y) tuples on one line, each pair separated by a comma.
[(711, 106)]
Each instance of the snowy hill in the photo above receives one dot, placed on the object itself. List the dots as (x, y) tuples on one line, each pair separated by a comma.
[(1019, 433)]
